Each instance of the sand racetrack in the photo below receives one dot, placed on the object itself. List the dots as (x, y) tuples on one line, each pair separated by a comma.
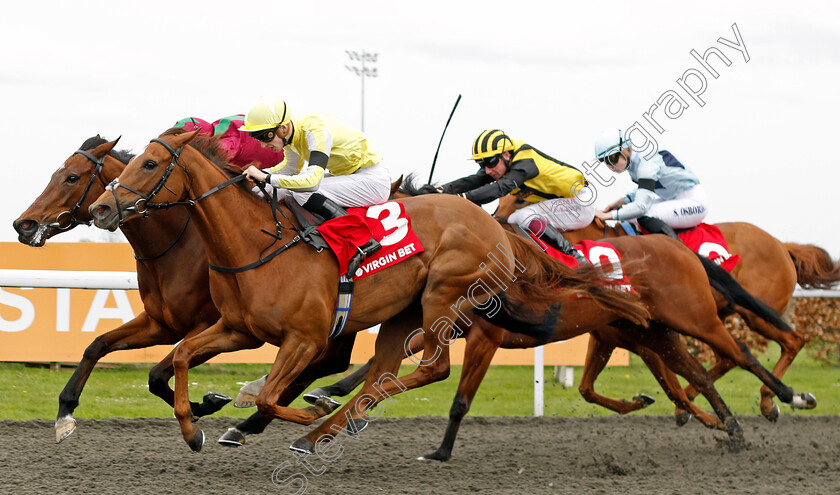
[(623, 455)]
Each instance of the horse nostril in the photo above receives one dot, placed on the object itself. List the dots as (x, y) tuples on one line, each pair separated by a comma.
[(101, 209), (26, 225)]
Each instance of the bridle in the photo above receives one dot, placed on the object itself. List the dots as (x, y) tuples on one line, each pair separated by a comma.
[(71, 213), (161, 183), (145, 198)]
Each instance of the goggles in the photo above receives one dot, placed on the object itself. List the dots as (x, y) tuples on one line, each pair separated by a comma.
[(488, 162), (265, 136)]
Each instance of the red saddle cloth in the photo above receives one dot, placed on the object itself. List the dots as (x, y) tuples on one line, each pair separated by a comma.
[(601, 254), (388, 223), (706, 240)]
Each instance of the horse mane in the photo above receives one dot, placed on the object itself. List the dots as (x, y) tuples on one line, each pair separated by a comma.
[(123, 156), (410, 189)]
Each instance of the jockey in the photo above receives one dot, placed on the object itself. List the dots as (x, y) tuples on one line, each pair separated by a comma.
[(241, 149), (514, 167), (327, 166), (668, 196)]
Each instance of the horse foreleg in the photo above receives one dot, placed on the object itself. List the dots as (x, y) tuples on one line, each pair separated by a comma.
[(334, 359), (159, 377), (482, 342), (138, 333), (202, 346), (293, 357), (390, 348)]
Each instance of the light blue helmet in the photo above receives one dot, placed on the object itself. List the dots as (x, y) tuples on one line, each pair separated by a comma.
[(609, 142)]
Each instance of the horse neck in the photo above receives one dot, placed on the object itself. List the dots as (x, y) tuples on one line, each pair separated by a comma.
[(230, 220)]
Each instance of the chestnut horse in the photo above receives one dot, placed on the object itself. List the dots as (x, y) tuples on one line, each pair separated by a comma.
[(289, 302), (679, 299), (172, 275), (769, 269)]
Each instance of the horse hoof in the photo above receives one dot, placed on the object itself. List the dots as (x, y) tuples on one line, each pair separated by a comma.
[(64, 427), (320, 393), (682, 418), (302, 445), (736, 434), (645, 398), (774, 413), (804, 401), (327, 404), (216, 401), (232, 438), (197, 441), (245, 400), (438, 455), (355, 426)]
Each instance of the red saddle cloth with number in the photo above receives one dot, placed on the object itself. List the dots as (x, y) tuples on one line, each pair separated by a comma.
[(707, 240), (388, 223), (601, 254)]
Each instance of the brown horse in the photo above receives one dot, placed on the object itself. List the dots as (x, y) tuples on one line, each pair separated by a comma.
[(289, 302), (678, 298), (769, 269), (172, 273)]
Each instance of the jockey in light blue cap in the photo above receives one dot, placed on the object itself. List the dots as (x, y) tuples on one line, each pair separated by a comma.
[(668, 196)]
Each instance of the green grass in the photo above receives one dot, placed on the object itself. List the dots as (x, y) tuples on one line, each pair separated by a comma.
[(32, 392)]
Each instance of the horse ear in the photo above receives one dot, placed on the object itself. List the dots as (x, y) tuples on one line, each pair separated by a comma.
[(184, 138), (104, 148)]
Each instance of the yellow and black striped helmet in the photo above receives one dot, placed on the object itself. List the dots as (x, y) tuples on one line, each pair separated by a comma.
[(491, 143)]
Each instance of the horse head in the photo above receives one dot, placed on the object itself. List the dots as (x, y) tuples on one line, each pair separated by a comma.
[(64, 202), (154, 174)]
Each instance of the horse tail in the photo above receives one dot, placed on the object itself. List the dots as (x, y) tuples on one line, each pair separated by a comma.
[(814, 267), (723, 282), (409, 189), (546, 282)]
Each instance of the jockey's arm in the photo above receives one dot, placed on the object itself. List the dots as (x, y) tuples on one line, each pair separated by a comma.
[(642, 199), (519, 172), (319, 142), (467, 183)]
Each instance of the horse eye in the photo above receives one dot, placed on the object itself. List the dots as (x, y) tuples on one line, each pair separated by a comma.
[(150, 165), (72, 179)]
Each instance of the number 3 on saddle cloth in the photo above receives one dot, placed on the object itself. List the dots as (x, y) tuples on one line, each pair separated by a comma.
[(601, 254), (387, 223)]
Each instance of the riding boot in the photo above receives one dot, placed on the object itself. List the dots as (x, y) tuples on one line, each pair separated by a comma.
[(556, 238), (657, 226), (328, 209)]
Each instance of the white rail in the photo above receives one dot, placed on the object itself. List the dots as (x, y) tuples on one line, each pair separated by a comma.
[(66, 279)]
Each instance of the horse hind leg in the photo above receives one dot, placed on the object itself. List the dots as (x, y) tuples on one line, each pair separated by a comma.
[(482, 342), (790, 344), (599, 352)]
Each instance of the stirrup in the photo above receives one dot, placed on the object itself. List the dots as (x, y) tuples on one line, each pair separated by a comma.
[(362, 253)]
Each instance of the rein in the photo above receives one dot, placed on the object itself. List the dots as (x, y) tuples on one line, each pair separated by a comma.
[(161, 183)]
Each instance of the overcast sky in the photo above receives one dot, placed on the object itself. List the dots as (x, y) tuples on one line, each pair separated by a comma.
[(550, 73)]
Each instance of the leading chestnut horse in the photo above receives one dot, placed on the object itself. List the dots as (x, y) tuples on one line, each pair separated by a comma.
[(769, 269), (289, 301)]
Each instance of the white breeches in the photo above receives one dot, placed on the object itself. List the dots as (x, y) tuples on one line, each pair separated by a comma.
[(562, 213), (364, 187), (686, 210)]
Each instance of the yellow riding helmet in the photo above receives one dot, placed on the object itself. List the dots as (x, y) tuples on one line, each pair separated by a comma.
[(491, 143), (266, 114)]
